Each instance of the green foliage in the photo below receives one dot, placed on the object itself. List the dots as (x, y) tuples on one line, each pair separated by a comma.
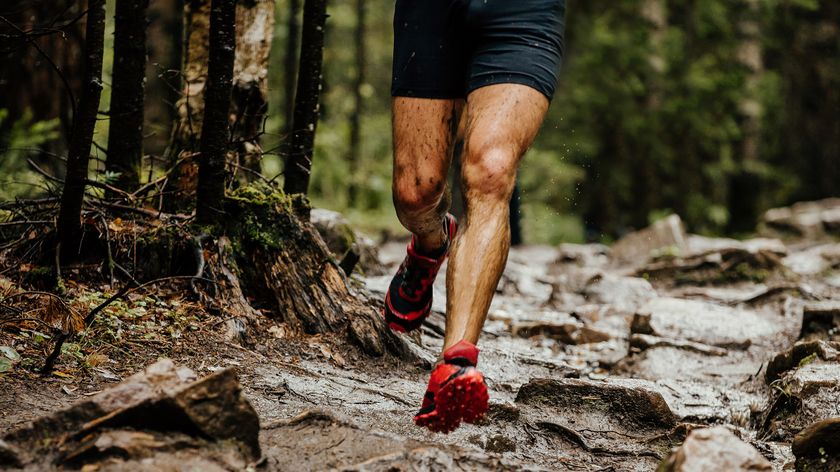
[(18, 141)]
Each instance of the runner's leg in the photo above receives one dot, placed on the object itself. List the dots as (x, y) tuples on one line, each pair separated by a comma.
[(423, 138), (502, 121)]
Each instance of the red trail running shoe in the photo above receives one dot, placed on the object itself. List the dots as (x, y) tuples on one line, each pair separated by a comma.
[(409, 298), (456, 391)]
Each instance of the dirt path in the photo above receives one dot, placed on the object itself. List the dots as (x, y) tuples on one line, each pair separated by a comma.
[(591, 364)]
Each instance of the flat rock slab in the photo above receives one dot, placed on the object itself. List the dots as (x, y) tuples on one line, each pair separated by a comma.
[(715, 449), (165, 409), (600, 417), (624, 293), (317, 440), (703, 322)]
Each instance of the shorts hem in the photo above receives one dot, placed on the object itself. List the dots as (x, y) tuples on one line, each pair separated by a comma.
[(426, 93), (537, 85)]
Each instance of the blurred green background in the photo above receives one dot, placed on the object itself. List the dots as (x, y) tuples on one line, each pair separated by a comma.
[(712, 109)]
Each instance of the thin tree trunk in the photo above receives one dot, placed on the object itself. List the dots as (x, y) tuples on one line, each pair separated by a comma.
[(184, 141), (164, 38), (125, 137), (215, 130), (290, 64), (307, 98), (250, 85), (745, 187), (78, 154), (356, 117)]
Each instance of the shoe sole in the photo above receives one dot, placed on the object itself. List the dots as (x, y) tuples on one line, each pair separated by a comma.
[(464, 398)]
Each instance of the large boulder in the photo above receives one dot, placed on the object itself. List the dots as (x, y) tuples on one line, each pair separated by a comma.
[(162, 409), (715, 449)]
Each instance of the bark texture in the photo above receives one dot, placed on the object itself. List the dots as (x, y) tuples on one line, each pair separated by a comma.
[(250, 85), (186, 130), (78, 155), (125, 136), (215, 130), (307, 98)]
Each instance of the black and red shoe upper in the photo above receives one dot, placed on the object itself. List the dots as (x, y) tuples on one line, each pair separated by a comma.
[(456, 391), (409, 298)]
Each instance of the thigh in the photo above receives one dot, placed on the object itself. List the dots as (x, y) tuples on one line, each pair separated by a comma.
[(502, 120), (424, 131)]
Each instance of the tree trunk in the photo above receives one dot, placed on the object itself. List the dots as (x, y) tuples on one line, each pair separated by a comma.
[(250, 85), (184, 142), (307, 98), (290, 64), (215, 130), (125, 136), (745, 187), (356, 118), (78, 155), (163, 72)]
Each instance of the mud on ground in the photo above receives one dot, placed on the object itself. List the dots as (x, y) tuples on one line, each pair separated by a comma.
[(596, 359)]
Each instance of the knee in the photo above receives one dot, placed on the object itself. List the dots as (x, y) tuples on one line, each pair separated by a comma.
[(489, 172), (414, 195)]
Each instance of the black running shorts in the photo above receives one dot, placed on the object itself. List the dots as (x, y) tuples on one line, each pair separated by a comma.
[(448, 48)]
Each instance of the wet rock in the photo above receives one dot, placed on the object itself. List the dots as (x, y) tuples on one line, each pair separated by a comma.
[(318, 440), (801, 397), (341, 238), (567, 333), (804, 219), (625, 293), (800, 354), (702, 322), (633, 402), (666, 235), (584, 255), (814, 260), (715, 449), (618, 418), (817, 447), (642, 342), (718, 261), (821, 320), (161, 399)]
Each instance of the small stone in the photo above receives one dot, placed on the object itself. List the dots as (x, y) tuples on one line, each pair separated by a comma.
[(715, 449)]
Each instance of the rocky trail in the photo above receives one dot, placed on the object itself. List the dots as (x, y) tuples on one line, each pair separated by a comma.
[(665, 350)]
